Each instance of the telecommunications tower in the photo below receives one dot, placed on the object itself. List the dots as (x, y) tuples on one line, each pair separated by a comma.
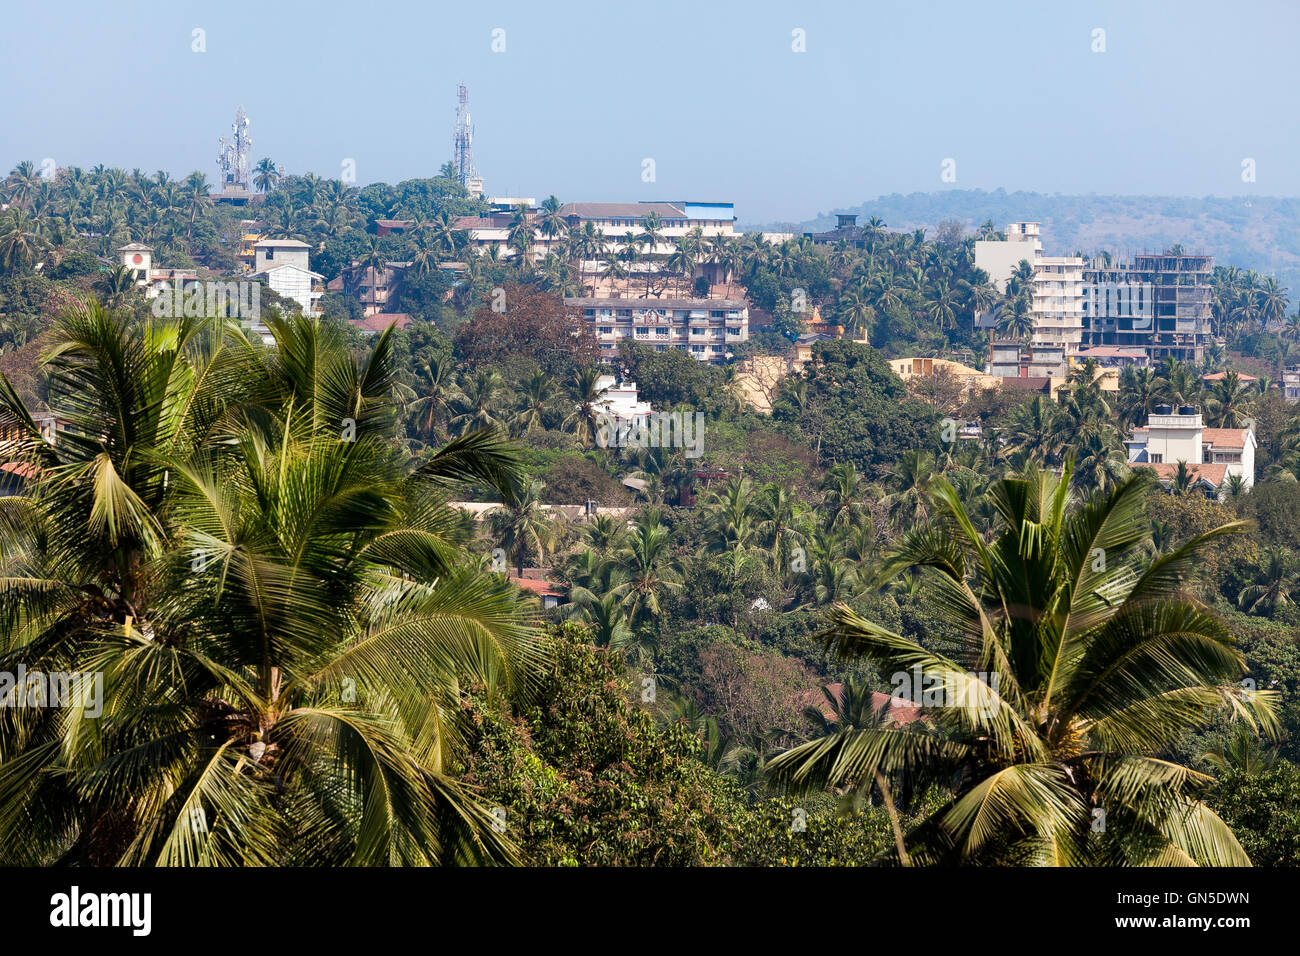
[(233, 158), (462, 142)]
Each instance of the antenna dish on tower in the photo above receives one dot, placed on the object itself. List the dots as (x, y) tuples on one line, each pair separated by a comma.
[(233, 158), (462, 144)]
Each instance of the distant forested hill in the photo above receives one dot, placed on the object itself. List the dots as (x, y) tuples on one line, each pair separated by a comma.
[(1260, 233)]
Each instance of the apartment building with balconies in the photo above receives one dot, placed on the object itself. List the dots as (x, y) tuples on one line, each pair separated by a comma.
[(707, 329), (1056, 291)]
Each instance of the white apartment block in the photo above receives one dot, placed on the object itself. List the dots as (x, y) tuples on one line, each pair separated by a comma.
[(612, 220), (1057, 295), (1058, 302), (283, 263), (999, 257), (706, 328), (1178, 434), (620, 402)]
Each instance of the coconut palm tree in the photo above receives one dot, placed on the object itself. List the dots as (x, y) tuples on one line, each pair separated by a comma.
[(650, 571), (20, 241), (1240, 749), (549, 221), (842, 491), (730, 521), (435, 395), (1083, 665), (1139, 393), (778, 514), (908, 482), (651, 237), (1183, 481), (282, 612), (480, 401), (522, 232), (1229, 402), (1276, 581), (535, 399), (266, 175), (854, 313), (521, 526), (117, 284), (1016, 318), (1033, 429), (585, 418), (23, 184)]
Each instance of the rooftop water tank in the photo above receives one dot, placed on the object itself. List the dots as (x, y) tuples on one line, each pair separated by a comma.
[(1164, 410), (1186, 409)]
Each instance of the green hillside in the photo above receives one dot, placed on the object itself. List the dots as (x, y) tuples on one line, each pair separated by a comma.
[(1260, 233)]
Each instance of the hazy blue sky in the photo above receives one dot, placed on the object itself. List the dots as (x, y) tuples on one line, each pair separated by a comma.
[(711, 91)]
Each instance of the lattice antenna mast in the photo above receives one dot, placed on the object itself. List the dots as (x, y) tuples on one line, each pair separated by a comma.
[(233, 157), (462, 143)]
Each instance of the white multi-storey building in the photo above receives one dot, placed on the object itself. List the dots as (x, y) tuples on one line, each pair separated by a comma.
[(707, 328), (283, 263), (1058, 302), (1057, 295), (999, 257), (1178, 434), (611, 220)]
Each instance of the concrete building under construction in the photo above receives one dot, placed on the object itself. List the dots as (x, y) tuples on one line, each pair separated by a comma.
[(1158, 302)]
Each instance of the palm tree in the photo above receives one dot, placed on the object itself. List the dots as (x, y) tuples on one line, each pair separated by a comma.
[(20, 241), (629, 255), (854, 708), (373, 263), (549, 221), (1077, 677), (1139, 393), (585, 419), (536, 396), (1228, 402), (117, 283), (942, 305), (607, 621), (1033, 429), (1178, 382), (283, 620), (1240, 750), (198, 197), (480, 401), (1016, 318), (521, 525), (23, 184), (909, 482), (778, 523), (436, 394), (730, 517), (521, 235), (613, 268), (1184, 479), (854, 313), (1278, 575), (266, 176), (650, 571), (842, 492), (651, 237)]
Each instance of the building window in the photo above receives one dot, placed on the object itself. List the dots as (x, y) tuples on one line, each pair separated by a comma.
[(1157, 459)]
